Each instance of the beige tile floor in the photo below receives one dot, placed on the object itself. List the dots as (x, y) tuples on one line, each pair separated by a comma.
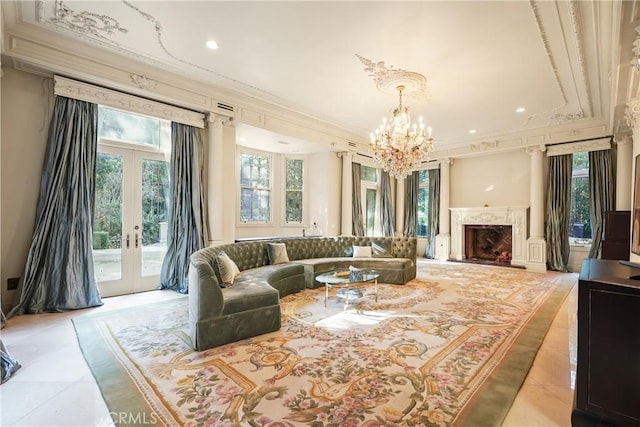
[(55, 387)]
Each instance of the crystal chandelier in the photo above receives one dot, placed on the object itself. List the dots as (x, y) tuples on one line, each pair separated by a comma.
[(397, 146)]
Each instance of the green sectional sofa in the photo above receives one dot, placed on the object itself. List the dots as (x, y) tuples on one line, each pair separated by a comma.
[(250, 306)]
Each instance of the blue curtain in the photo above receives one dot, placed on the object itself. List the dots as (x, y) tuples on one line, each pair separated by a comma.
[(411, 204), (600, 195), (356, 204), (386, 205), (558, 209), (58, 275), (186, 232), (433, 222)]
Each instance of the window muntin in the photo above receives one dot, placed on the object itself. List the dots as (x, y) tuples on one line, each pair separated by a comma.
[(255, 188), (423, 204), (294, 191), (580, 219)]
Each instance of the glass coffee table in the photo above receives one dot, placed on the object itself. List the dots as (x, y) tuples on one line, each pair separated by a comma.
[(350, 283)]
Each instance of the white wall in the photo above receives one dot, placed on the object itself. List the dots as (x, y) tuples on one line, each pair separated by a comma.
[(495, 180), (27, 101)]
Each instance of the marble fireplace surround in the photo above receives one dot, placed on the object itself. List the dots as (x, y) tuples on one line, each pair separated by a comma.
[(515, 216)]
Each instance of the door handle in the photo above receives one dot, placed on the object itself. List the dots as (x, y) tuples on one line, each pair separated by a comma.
[(127, 240), (136, 240)]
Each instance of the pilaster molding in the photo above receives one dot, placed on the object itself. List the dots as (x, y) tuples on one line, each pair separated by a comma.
[(623, 139), (217, 121), (446, 161), (534, 149), (631, 112)]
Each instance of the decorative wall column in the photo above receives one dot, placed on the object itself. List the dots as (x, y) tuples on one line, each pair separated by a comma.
[(400, 196), (443, 239), (346, 228), (624, 166), (215, 177), (536, 244)]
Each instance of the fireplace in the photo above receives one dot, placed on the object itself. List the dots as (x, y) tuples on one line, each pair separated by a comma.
[(488, 243), (513, 218)]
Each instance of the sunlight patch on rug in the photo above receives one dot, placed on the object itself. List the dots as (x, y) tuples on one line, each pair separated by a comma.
[(433, 352)]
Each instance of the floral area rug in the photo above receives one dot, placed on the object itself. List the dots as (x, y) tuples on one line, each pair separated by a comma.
[(452, 347)]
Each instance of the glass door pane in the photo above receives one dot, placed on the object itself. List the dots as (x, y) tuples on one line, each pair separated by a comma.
[(107, 217), (154, 200)]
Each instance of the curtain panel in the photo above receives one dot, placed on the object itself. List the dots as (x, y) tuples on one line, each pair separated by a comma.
[(59, 275), (411, 204), (357, 219), (433, 219), (386, 205), (186, 229), (558, 209), (600, 195)]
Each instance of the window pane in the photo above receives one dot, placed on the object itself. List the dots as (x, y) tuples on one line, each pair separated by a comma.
[(255, 194), (294, 206), (423, 201), (294, 174), (580, 221), (367, 173), (423, 177), (133, 128)]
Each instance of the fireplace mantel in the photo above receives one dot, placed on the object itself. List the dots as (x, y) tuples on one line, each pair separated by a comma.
[(515, 216)]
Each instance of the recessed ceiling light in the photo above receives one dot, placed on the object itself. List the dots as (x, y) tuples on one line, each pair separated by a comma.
[(521, 110), (472, 131), (212, 44)]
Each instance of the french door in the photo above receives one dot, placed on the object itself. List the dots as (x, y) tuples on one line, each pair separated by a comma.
[(129, 228)]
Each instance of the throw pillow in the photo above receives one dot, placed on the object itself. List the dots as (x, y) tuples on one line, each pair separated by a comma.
[(277, 253), (381, 248), (228, 269), (361, 251)]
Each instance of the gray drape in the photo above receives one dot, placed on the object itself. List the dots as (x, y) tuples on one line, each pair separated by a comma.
[(433, 221), (58, 275), (186, 230), (411, 204), (356, 201), (600, 195), (386, 205), (558, 209)]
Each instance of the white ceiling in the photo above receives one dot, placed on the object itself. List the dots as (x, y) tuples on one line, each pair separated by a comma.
[(481, 59)]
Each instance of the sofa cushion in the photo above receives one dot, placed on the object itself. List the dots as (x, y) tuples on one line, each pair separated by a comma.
[(362, 251), (277, 253), (286, 278), (248, 294), (381, 248), (228, 269)]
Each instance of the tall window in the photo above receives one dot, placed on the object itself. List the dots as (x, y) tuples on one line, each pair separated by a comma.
[(255, 188), (294, 187), (369, 188), (580, 225), (423, 204)]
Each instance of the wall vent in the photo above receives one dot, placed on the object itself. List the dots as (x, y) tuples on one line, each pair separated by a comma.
[(225, 107)]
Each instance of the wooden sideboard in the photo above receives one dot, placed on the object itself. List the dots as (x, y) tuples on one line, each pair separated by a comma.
[(607, 390)]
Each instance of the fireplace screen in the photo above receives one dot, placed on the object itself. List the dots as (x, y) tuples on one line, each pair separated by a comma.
[(488, 243)]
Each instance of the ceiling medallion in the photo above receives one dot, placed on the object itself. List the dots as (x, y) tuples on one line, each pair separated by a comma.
[(387, 79)]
